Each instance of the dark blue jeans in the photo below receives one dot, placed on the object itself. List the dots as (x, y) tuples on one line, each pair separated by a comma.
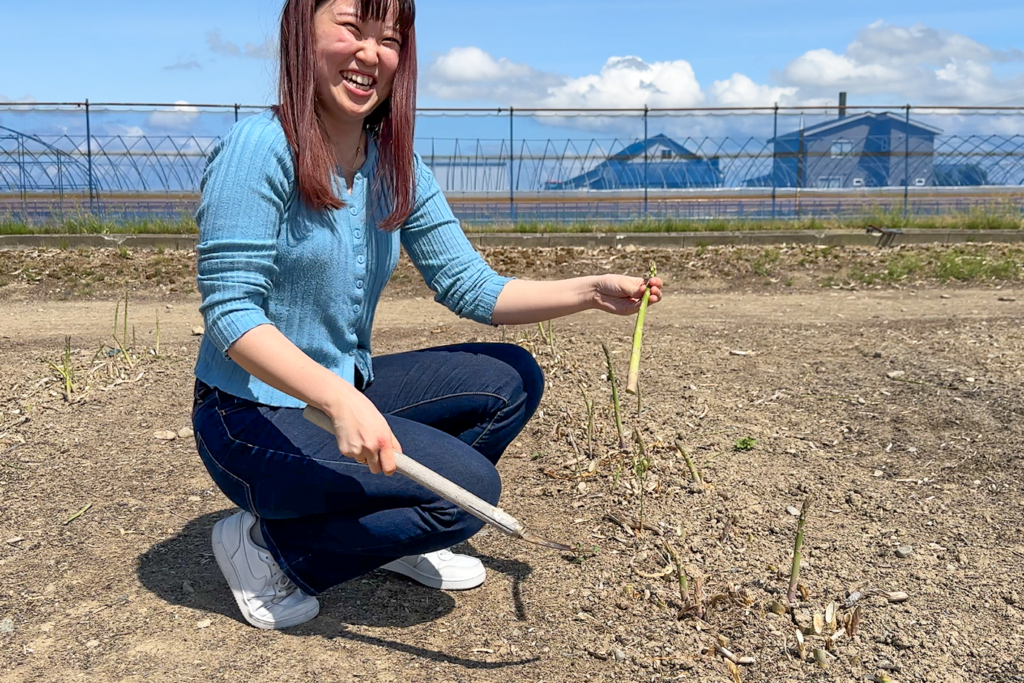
[(325, 518)]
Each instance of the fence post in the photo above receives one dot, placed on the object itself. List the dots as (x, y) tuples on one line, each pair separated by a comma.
[(236, 112), (88, 151), (775, 145), (21, 168), (60, 184), (647, 183), (906, 168), (511, 165)]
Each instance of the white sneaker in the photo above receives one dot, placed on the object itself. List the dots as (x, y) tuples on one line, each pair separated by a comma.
[(267, 597), (442, 569)]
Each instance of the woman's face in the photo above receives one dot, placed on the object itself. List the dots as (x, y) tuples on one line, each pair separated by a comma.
[(356, 60)]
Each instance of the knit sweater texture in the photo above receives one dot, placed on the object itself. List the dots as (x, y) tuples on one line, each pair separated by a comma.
[(266, 258)]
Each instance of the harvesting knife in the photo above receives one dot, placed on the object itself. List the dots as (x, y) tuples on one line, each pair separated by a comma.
[(453, 493)]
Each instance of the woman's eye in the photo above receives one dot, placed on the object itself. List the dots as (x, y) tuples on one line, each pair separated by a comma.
[(352, 27)]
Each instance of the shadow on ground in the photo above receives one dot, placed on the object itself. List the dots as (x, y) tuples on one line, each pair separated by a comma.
[(181, 570)]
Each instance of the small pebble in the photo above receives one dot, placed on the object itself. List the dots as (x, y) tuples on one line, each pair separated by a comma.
[(185, 433), (165, 436), (895, 374), (619, 655), (205, 623), (198, 331), (793, 511), (7, 626), (91, 644), (904, 551)]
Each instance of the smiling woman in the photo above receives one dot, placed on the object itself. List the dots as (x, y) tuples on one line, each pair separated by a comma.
[(303, 213), (363, 56)]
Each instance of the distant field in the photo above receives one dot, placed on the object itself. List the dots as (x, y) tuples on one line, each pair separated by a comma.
[(186, 225)]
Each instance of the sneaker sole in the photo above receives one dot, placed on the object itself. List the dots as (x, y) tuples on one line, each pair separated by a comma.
[(228, 569), (433, 581)]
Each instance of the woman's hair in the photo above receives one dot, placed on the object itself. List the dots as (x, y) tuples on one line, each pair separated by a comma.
[(393, 121)]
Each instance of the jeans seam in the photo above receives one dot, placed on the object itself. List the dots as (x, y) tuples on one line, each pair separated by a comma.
[(464, 393), (245, 484), (446, 397), (277, 452), (489, 424), (289, 569)]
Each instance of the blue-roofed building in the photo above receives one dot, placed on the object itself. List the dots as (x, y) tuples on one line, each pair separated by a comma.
[(866, 150), (669, 166)]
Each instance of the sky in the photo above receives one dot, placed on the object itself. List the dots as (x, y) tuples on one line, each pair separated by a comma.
[(535, 53), (541, 53)]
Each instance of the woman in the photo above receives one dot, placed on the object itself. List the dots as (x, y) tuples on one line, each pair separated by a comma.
[(302, 215)]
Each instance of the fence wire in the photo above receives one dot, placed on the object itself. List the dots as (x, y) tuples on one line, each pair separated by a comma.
[(125, 161)]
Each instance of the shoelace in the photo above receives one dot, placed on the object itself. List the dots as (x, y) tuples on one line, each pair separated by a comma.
[(283, 586)]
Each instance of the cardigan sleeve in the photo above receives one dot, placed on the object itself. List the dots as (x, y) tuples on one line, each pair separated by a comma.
[(246, 190), (449, 264)]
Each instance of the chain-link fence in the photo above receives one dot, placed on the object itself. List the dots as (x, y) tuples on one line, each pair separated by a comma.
[(131, 161)]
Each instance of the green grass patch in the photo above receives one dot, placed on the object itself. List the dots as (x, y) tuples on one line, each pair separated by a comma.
[(86, 224), (997, 217), (957, 265)]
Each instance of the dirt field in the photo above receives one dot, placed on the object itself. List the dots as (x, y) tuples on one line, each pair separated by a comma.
[(885, 385)]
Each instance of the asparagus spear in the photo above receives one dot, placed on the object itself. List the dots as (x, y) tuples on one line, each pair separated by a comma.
[(615, 396), (794, 576), (638, 336)]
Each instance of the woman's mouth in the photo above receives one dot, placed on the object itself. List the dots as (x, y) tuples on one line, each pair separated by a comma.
[(359, 82)]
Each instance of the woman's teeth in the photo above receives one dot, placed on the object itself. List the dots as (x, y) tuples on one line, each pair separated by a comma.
[(364, 82)]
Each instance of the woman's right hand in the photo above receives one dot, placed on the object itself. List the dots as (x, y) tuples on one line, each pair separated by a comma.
[(362, 432)]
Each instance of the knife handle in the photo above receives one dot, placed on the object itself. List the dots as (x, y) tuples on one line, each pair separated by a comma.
[(434, 482)]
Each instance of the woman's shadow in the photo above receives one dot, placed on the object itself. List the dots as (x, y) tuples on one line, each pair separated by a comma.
[(182, 570)]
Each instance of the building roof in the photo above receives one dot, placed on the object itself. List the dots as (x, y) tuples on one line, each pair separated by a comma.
[(638, 148), (847, 120)]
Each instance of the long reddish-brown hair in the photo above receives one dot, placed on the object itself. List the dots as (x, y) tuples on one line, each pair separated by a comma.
[(393, 122)]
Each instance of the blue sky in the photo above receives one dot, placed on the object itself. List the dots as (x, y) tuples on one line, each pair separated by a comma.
[(533, 53)]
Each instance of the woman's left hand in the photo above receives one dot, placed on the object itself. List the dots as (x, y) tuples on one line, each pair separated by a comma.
[(621, 294)]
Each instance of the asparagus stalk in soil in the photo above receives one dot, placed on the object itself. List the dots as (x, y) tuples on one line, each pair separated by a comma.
[(638, 336), (615, 396), (794, 576)]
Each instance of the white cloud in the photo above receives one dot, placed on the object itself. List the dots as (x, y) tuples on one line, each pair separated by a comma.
[(218, 45), (122, 130), (470, 74), (630, 82), (740, 91), (27, 99), (884, 64), (887, 63), (881, 43), (182, 65), (180, 118)]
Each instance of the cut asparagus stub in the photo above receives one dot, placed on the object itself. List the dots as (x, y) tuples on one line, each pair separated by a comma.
[(638, 337)]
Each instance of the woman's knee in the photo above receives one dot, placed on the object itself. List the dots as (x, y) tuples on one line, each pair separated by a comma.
[(529, 374), (480, 478), (486, 483)]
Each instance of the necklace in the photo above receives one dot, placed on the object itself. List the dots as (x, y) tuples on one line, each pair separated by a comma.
[(355, 158)]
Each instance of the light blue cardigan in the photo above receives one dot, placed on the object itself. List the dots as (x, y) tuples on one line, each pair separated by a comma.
[(266, 258)]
